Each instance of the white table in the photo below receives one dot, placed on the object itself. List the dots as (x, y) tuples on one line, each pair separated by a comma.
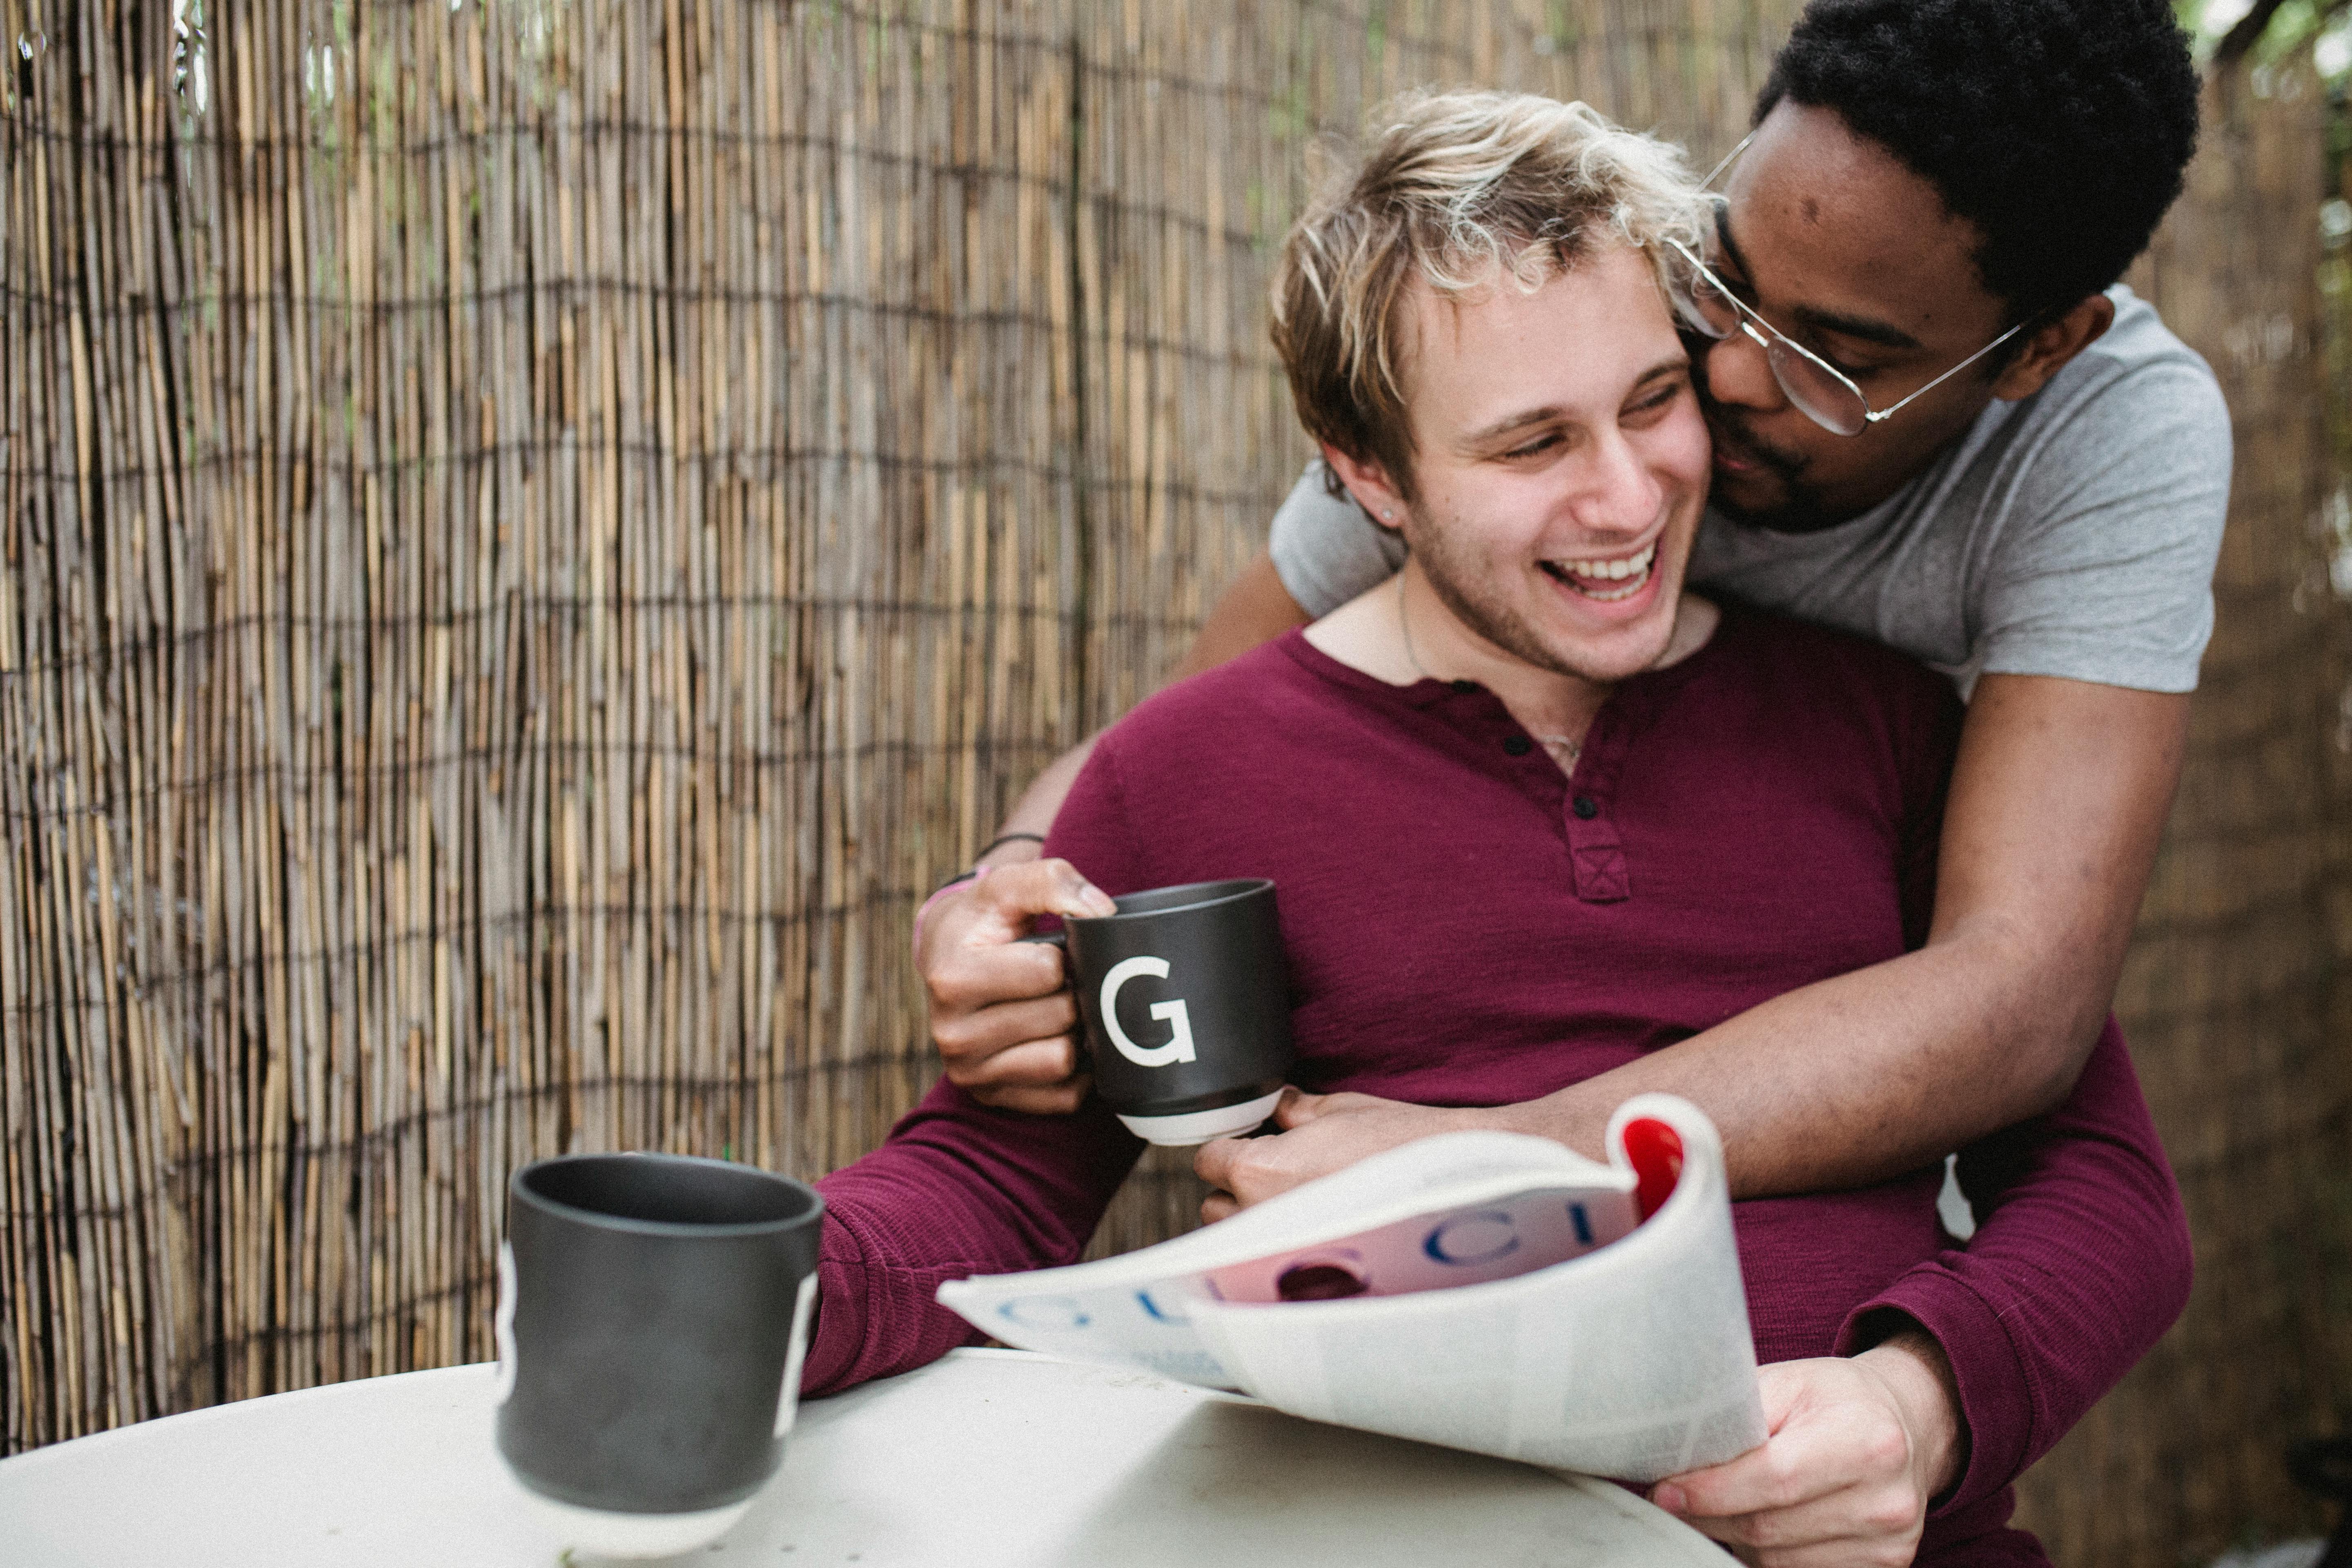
[(988, 1458)]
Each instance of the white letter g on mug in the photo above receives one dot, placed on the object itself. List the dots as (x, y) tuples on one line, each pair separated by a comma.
[(1178, 1048)]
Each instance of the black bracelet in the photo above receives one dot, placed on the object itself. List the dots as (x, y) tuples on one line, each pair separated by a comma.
[(960, 877), (1002, 839)]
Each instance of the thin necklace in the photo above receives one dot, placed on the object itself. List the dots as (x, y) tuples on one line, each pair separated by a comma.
[(1570, 749)]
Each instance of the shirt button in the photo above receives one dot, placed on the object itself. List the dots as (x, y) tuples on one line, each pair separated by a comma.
[(1518, 745), (1585, 806)]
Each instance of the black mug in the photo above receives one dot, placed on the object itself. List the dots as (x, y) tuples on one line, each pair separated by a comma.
[(1185, 995), (653, 1313)]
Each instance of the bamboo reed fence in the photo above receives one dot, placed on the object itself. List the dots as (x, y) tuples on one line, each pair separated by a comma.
[(2236, 994), (532, 533)]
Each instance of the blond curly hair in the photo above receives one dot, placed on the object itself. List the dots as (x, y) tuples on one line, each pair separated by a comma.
[(1460, 191)]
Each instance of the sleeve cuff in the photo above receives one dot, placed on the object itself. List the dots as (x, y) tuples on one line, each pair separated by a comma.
[(1995, 1404), (841, 1312), (2101, 662)]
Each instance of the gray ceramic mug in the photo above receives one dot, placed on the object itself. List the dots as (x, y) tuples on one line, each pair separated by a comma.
[(653, 1313), (1185, 998)]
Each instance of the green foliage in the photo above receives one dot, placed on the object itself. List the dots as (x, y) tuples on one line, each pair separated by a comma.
[(2324, 27)]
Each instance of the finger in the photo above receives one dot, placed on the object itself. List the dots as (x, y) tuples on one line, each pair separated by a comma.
[(1050, 1099), (1849, 1514), (1774, 1475), (1846, 1553), (1217, 1207), (1297, 1107), (971, 1036), (1214, 1163), (1033, 1064), (965, 979), (1013, 895)]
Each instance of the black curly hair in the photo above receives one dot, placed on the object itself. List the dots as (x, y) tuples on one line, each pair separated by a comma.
[(2059, 128)]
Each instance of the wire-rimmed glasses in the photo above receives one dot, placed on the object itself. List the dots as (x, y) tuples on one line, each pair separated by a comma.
[(1820, 391)]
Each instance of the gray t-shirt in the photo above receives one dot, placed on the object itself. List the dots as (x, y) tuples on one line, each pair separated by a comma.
[(2071, 534)]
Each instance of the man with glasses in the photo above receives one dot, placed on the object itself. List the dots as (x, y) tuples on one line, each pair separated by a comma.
[(1937, 423)]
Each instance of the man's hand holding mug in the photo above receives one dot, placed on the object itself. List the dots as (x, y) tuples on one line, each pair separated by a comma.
[(1005, 1024), (1201, 965)]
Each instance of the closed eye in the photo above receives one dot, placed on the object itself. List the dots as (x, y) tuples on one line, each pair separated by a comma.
[(1851, 372), (1736, 285), (1658, 401), (1542, 443)]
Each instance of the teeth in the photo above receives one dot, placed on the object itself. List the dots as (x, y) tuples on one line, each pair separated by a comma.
[(1614, 571), (1611, 595), (1632, 570)]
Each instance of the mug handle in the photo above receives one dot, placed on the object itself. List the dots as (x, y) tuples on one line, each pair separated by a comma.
[(1061, 938)]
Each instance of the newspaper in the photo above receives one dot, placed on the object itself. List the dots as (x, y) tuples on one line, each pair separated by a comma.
[(1484, 1291)]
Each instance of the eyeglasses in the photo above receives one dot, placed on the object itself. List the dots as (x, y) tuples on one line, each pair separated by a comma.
[(1820, 391)]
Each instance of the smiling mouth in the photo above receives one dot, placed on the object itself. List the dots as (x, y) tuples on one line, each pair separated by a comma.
[(1606, 582)]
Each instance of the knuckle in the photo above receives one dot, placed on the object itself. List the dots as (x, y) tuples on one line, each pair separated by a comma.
[(1782, 1481), (1887, 1448), (956, 1035), (1889, 1512), (951, 987), (1013, 1067)]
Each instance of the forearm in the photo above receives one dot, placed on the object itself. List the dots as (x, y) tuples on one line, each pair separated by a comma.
[(1041, 801), (958, 1190), (1854, 1079)]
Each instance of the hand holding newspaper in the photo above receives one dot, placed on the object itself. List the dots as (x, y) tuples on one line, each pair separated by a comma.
[(1485, 1291)]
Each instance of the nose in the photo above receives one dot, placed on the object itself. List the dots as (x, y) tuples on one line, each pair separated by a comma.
[(1620, 495), (1737, 371)]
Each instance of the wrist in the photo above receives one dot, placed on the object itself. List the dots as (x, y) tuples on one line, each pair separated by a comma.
[(1561, 1116), (1912, 1365)]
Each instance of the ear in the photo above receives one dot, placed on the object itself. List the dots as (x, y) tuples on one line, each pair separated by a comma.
[(2050, 346), (1369, 483)]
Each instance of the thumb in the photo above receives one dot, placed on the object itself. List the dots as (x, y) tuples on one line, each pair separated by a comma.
[(1015, 894)]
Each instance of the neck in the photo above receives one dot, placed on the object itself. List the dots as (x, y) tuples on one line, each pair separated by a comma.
[(1401, 632), (1438, 646)]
